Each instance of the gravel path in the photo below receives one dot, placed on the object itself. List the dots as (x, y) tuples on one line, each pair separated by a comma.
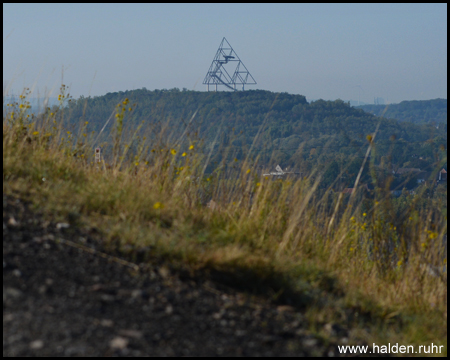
[(63, 298)]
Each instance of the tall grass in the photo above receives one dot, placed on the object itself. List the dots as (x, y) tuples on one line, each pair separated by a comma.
[(345, 256)]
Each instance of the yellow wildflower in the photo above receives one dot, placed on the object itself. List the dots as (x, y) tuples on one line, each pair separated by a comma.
[(191, 147), (183, 154), (158, 205), (173, 152), (35, 133), (248, 171)]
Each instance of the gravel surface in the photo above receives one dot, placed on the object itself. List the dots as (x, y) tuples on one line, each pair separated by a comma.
[(63, 296)]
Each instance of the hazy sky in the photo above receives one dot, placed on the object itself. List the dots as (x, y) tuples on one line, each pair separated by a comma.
[(394, 51)]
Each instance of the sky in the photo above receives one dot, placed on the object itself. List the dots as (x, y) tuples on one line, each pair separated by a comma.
[(322, 51)]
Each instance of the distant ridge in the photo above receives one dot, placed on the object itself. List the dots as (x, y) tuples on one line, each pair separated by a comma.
[(415, 111)]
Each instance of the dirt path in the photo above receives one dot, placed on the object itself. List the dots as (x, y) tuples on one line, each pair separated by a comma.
[(61, 299)]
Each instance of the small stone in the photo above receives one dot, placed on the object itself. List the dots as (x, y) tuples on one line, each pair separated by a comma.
[(36, 345), (285, 308), (118, 343), (106, 323), (137, 293), (169, 309), (107, 298), (48, 237), (164, 272), (75, 350), (131, 333), (13, 222), (8, 317), (310, 342), (330, 329), (62, 225), (17, 272), (96, 287), (295, 323)]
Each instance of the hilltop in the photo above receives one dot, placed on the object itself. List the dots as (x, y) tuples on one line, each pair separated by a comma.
[(275, 128)]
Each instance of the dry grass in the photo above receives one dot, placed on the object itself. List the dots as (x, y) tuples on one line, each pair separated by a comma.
[(279, 238)]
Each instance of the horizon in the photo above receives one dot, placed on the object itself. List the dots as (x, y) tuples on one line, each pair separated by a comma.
[(354, 103)]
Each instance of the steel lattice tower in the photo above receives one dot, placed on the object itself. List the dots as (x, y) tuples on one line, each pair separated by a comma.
[(218, 74)]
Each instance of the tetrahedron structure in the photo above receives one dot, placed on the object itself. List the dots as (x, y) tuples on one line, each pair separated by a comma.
[(227, 62)]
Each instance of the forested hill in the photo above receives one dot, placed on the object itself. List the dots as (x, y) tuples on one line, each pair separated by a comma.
[(292, 132), (417, 111)]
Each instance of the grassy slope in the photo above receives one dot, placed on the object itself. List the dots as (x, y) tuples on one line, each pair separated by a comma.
[(255, 239)]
